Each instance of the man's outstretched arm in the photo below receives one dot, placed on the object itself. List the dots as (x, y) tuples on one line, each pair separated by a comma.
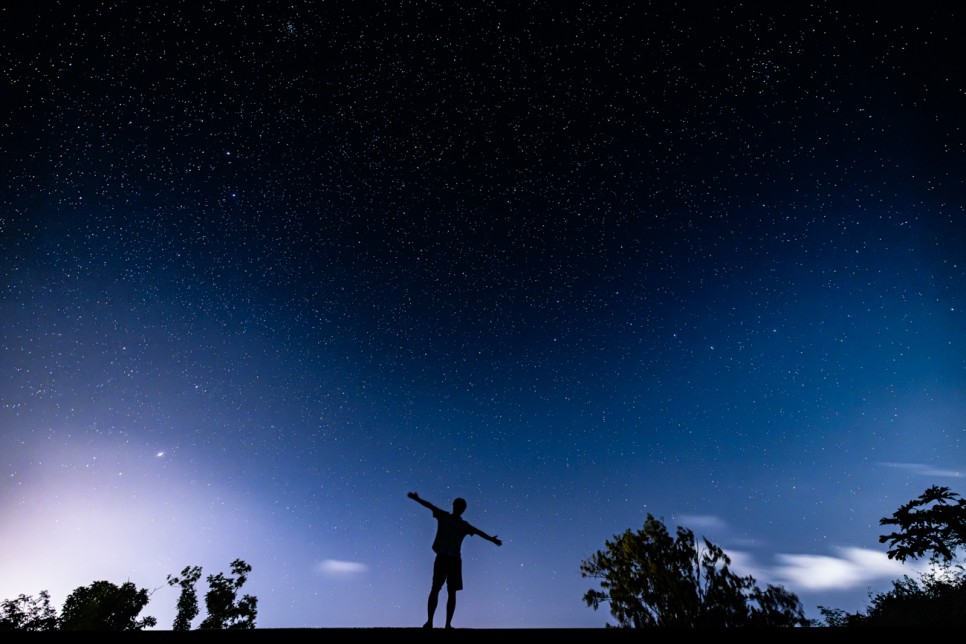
[(492, 539), (423, 502)]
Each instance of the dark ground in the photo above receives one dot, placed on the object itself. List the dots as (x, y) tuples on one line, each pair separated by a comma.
[(489, 635)]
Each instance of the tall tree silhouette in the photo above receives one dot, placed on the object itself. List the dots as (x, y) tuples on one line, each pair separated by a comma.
[(225, 609), (651, 579), (104, 606), (188, 599), (934, 523), (27, 613)]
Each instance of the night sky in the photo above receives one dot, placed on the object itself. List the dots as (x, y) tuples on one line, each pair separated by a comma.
[(267, 267)]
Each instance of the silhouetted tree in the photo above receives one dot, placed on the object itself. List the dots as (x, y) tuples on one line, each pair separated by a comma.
[(188, 599), (936, 598), (934, 522), (104, 606), (26, 613), (225, 610), (837, 618), (651, 579)]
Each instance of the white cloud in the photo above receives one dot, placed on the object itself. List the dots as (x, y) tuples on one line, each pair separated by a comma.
[(854, 567), (335, 567)]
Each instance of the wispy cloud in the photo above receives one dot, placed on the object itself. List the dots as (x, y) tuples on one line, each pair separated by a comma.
[(852, 568), (701, 522), (335, 567), (922, 469), (847, 569)]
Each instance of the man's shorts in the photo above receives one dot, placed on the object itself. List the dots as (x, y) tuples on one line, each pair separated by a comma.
[(448, 569)]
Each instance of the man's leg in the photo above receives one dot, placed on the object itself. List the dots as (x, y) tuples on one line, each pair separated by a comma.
[(431, 606), (454, 583), (439, 578), (450, 607)]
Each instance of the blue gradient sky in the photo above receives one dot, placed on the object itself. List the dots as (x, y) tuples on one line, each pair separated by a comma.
[(267, 267)]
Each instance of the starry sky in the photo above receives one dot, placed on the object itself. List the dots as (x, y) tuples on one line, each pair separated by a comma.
[(267, 267)]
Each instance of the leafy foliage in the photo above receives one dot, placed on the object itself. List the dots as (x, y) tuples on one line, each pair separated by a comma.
[(104, 606), (188, 599), (26, 613), (651, 579), (225, 610), (934, 522), (936, 598)]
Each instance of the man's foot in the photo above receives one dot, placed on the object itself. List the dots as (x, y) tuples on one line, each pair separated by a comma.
[(428, 625), (449, 626)]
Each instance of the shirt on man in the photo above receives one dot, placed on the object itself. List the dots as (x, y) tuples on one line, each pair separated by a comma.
[(450, 532)]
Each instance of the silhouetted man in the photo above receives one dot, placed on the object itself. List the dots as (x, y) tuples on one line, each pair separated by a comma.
[(448, 567)]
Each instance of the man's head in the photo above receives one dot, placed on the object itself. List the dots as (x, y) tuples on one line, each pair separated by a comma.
[(459, 505)]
